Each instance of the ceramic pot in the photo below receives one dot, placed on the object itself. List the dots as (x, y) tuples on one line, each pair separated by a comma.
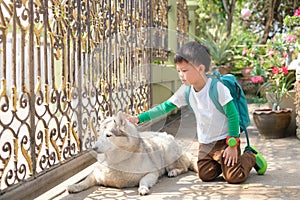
[(287, 102), (272, 124)]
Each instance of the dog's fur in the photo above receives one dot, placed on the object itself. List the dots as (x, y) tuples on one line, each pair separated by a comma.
[(134, 158)]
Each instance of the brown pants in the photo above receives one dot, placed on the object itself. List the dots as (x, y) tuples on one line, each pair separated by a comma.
[(211, 163)]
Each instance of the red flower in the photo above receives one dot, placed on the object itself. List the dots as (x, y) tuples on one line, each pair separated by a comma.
[(275, 70), (257, 79), (284, 70)]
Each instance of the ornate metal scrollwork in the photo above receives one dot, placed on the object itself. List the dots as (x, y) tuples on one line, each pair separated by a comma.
[(65, 66)]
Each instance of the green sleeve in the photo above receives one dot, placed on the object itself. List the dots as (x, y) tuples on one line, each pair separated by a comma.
[(233, 119), (157, 111)]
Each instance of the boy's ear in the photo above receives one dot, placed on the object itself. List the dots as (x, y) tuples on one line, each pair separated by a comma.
[(202, 68)]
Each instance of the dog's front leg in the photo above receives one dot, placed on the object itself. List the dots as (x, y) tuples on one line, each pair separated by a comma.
[(83, 185), (147, 182)]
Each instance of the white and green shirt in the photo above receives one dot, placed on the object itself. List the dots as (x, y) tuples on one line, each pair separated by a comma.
[(212, 125)]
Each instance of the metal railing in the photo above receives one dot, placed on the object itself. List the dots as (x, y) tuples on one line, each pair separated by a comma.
[(66, 65)]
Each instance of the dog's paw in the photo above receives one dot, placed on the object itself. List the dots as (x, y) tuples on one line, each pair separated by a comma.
[(174, 172), (143, 190), (73, 188)]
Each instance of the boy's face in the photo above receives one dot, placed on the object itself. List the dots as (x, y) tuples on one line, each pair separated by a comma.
[(189, 74)]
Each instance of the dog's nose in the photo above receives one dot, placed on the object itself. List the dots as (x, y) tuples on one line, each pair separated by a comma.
[(95, 148)]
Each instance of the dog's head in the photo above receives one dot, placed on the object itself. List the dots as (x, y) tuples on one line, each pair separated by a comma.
[(116, 132)]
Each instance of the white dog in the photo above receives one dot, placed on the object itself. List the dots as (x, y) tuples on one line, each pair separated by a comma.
[(134, 158)]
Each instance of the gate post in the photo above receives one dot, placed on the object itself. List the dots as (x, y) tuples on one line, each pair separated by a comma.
[(31, 87), (172, 25), (192, 6)]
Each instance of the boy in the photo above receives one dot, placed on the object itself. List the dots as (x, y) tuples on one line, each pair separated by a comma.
[(214, 129)]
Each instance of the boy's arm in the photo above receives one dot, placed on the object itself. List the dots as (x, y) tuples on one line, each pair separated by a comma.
[(157, 111), (233, 119)]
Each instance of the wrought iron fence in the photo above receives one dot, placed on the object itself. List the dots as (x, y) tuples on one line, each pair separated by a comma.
[(66, 65)]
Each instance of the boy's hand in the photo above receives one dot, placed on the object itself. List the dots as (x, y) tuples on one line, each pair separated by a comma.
[(132, 119), (230, 156)]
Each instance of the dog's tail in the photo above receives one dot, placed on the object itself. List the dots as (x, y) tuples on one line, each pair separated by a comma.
[(193, 162)]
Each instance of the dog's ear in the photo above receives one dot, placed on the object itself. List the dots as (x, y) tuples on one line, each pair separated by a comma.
[(121, 118)]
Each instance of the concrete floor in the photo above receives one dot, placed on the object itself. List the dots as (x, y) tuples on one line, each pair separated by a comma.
[(281, 181)]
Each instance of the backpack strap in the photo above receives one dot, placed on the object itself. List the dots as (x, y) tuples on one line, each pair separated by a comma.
[(214, 95), (187, 96), (213, 90), (215, 74)]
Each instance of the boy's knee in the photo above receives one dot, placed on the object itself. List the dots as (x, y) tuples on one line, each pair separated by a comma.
[(235, 179), (205, 179), (207, 176)]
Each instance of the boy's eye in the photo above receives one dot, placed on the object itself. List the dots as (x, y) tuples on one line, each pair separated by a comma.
[(182, 70)]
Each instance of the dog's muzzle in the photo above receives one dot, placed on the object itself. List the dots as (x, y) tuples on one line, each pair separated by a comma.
[(95, 148)]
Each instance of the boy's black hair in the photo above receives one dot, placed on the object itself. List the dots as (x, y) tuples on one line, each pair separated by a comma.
[(194, 53)]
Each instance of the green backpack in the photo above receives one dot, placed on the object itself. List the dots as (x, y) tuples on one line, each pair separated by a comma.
[(237, 94)]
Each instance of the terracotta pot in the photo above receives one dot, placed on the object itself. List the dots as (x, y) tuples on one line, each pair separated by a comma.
[(248, 86), (246, 71), (224, 69), (272, 124), (287, 102)]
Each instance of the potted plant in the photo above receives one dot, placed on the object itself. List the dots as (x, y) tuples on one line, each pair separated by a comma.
[(253, 72), (293, 25), (273, 122), (246, 60), (257, 80)]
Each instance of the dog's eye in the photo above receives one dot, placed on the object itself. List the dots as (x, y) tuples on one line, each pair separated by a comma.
[(108, 134)]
